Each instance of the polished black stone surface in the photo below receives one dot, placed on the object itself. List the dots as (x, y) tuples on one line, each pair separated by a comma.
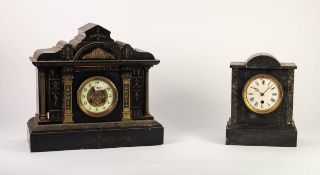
[(57, 137), (262, 136)]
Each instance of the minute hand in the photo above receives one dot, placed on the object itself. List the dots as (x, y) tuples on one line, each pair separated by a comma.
[(267, 89)]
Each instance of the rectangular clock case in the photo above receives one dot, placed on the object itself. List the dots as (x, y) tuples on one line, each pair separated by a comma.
[(60, 124), (246, 127)]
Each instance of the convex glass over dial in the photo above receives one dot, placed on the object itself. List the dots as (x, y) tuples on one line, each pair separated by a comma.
[(262, 93), (97, 96)]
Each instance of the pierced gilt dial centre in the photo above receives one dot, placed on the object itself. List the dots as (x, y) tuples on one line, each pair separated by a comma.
[(97, 98), (262, 93)]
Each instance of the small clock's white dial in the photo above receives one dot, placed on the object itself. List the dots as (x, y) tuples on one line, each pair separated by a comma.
[(97, 96), (262, 93)]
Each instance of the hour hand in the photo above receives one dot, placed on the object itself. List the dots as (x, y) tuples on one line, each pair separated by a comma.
[(256, 89)]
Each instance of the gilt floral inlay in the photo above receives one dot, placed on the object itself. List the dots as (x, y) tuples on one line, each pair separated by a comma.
[(98, 53)]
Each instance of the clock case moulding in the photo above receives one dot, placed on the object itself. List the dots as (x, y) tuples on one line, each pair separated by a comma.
[(249, 128), (59, 123)]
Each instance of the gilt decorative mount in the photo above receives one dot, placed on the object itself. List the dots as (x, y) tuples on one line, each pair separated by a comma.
[(98, 53)]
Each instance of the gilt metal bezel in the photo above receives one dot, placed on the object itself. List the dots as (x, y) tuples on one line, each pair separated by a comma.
[(114, 92), (259, 111)]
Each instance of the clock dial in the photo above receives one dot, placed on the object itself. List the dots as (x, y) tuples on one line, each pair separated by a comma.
[(97, 96), (262, 93)]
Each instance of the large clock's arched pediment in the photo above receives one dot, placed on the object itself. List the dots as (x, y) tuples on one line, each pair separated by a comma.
[(92, 44)]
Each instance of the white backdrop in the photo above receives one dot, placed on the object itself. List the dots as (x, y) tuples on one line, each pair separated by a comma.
[(190, 90)]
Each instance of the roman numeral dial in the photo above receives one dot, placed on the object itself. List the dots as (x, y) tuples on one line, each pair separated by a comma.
[(97, 96), (262, 93)]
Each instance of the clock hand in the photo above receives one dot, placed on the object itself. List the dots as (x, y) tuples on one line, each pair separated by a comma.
[(256, 89), (267, 89)]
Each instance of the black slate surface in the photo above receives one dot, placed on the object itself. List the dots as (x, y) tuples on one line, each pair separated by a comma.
[(262, 136), (93, 135)]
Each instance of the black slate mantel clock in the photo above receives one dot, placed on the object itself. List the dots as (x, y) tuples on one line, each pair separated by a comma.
[(92, 93), (262, 103)]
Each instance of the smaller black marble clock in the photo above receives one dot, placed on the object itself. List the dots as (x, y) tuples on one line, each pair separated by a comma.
[(262, 103), (93, 92)]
